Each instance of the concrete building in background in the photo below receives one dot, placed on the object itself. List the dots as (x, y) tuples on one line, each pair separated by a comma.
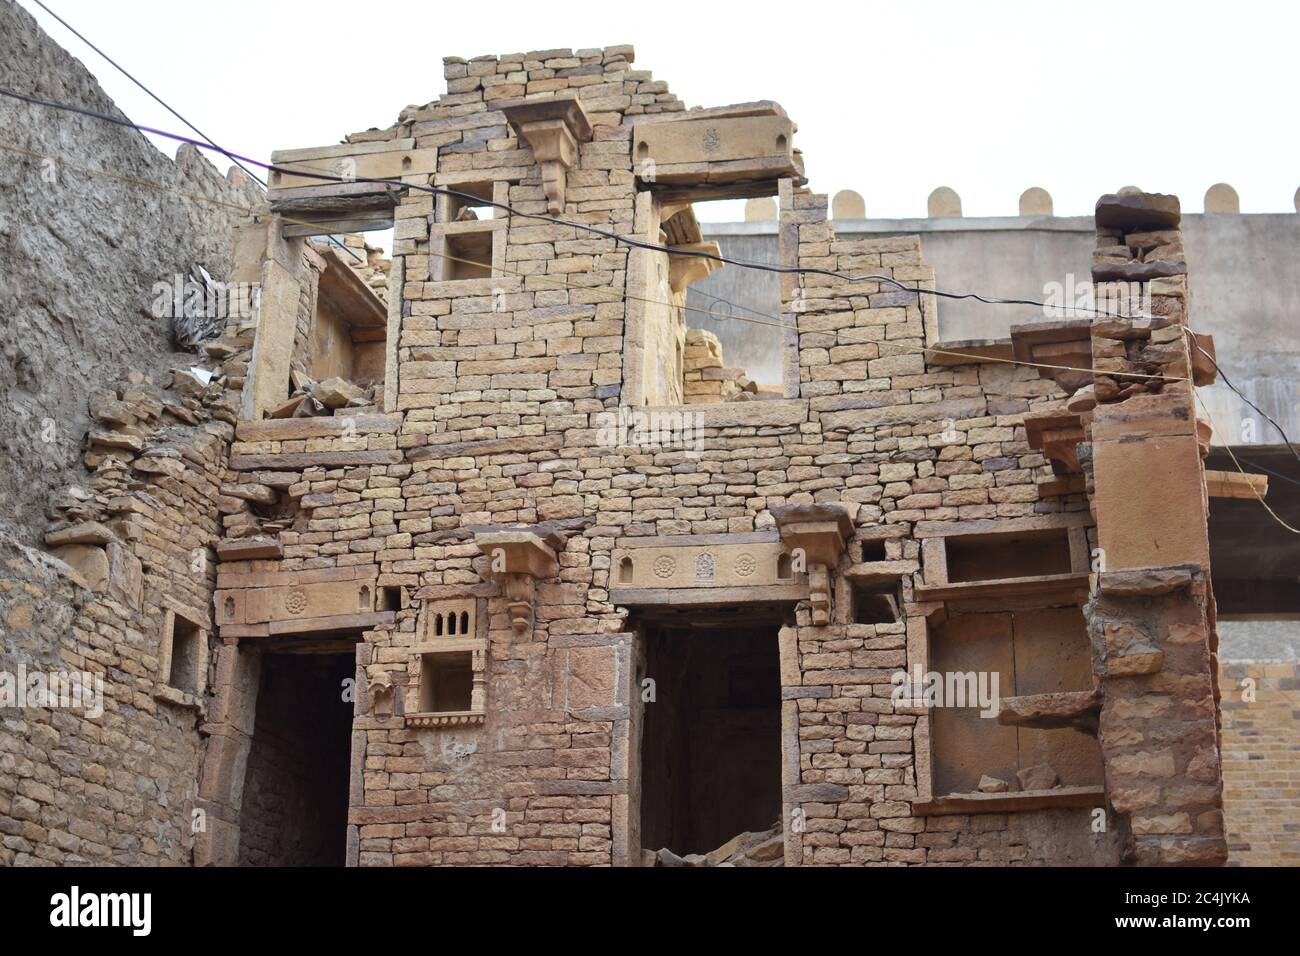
[(1246, 288)]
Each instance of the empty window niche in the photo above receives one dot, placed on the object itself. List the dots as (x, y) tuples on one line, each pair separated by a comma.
[(448, 670), (446, 682), (983, 658), (349, 327), (709, 333), (785, 567), (468, 255), (467, 239), (1004, 557), (873, 549), (389, 599), (183, 658), (474, 202), (1016, 554), (877, 603)]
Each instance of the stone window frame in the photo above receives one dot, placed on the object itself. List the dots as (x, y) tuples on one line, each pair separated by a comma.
[(930, 612), (443, 228), (646, 226), (163, 689), (923, 620), (934, 537), (476, 645)]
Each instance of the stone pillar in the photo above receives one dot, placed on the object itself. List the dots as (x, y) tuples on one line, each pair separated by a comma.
[(230, 738), (1151, 613)]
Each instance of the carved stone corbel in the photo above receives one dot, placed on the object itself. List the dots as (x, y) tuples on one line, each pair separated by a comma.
[(553, 128), (380, 691), (685, 267), (517, 559), (818, 533)]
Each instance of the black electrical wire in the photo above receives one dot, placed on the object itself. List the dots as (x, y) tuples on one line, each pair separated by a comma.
[(636, 243), (159, 100), (555, 220), (1228, 382), (152, 95)]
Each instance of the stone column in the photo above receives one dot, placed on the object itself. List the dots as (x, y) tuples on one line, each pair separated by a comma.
[(230, 738), (1151, 614)]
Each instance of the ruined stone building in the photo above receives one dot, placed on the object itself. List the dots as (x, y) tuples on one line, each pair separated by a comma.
[(481, 552)]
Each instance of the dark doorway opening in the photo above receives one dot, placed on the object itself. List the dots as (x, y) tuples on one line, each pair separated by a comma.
[(295, 804), (711, 739)]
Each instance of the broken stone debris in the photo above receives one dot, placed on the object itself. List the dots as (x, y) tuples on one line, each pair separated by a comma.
[(751, 848)]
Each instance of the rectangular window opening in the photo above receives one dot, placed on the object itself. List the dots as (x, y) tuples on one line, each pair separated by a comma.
[(459, 209), (734, 344), (1020, 554), (186, 656), (468, 255), (877, 604), (873, 549), (390, 599), (350, 326), (446, 682)]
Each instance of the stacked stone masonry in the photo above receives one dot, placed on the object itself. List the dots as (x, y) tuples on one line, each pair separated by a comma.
[(467, 530)]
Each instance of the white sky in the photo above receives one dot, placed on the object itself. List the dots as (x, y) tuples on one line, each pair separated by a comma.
[(891, 99)]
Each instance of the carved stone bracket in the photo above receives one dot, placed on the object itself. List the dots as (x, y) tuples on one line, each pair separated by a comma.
[(517, 559), (553, 128), (685, 267), (380, 690), (1057, 434), (818, 532)]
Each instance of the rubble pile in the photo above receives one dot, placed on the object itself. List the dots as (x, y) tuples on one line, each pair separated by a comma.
[(751, 848)]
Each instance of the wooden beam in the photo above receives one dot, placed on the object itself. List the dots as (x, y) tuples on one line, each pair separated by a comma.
[(1235, 484)]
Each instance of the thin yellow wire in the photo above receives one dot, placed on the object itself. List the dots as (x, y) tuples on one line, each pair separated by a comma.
[(1253, 490), (618, 296)]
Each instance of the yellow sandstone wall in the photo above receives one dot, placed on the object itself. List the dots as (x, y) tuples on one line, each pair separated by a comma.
[(1261, 763)]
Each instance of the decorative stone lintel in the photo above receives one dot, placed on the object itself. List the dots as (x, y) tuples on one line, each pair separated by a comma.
[(553, 128), (517, 559), (819, 532), (463, 718)]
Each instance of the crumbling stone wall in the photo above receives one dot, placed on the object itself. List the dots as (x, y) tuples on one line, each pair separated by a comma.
[(1152, 615), (110, 465), (129, 548), (485, 474), (503, 383), (82, 254)]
